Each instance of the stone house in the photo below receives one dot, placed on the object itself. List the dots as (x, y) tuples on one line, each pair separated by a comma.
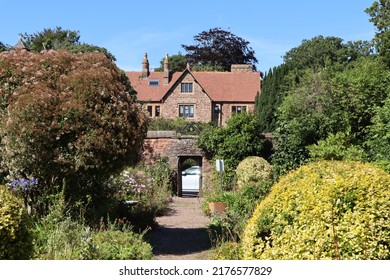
[(196, 96)]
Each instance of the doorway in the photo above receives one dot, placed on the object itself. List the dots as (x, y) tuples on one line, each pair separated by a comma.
[(189, 179)]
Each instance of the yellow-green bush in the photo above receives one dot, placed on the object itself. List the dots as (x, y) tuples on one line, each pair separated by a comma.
[(15, 235), (253, 169), (324, 210)]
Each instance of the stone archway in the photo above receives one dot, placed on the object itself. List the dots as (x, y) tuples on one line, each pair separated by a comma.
[(176, 148), (181, 159)]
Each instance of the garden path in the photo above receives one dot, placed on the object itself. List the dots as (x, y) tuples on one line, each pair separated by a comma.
[(182, 233)]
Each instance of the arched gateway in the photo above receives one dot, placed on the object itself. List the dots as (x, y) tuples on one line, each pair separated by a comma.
[(180, 150)]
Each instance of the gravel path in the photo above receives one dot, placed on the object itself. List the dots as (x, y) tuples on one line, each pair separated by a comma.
[(182, 233)]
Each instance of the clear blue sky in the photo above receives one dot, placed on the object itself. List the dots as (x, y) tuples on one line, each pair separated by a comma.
[(130, 28)]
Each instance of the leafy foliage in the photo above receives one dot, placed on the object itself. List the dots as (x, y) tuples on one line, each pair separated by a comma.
[(124, 244), (60, 39), (380, 17), (239, 139), (141, 193), (336, 147), (15, 228), (253, 169), (60, 237), (328, 102), (379, 140), (67, 117), (273, 89), (177, 63), (217, 47), (323, 210)]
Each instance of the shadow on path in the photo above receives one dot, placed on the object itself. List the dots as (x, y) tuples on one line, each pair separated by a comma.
[(182, 232), (179, 241)]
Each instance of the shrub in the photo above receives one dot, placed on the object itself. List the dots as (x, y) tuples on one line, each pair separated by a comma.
[(148, 186), (15, 228), (121, 245), (67, 117), (59, 237), (252, 170), (228, 251), (234, 142), (240, 205), (323, 210)]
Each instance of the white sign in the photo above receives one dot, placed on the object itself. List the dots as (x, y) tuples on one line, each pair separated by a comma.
[(220, 165)]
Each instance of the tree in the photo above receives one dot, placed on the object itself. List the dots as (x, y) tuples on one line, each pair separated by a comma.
[(239, 139), (319, 52), (177, 63), (272, 92), (380, 17), (67, 117), (59, 39), (3, 47), (217, 47)]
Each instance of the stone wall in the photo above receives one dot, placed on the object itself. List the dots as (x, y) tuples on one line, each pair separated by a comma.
[(172, 146)]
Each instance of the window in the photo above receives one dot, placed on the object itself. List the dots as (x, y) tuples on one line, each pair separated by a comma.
[(238, 109), (150, 111), (186, 111), (154, 82), (157, 111), (186, 87)]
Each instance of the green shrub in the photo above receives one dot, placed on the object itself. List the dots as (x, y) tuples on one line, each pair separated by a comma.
[(253, 169), (323, 210), (15, 228), (121, 245), (228, 251), (239, 207), (59, 237), (336, 147), (149, 187)]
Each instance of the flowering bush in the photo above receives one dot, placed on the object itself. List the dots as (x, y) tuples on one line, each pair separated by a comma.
[(67, 117), (143, 193), (27, 189)]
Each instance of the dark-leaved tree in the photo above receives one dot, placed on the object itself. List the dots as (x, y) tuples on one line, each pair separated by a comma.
[(219, 48)]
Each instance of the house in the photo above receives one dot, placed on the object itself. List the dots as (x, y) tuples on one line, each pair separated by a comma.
[(196, 96)]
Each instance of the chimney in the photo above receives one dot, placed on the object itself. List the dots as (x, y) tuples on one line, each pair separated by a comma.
[(145, 66), (241, 68), (166, 70)]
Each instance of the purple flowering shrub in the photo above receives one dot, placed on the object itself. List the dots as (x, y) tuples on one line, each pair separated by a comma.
[(26, 189)]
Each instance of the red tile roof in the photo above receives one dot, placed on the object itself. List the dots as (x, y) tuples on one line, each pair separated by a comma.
[(220, 86)]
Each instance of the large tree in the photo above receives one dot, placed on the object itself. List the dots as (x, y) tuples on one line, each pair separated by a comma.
[(219, 48), (60, 39), (380, 17), (67, 117)]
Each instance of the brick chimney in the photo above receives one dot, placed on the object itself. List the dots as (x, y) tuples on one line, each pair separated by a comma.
[(166, 70), (241, 68), (145, 66)]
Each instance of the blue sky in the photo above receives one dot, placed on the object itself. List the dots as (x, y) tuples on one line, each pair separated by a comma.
[(130, 28)]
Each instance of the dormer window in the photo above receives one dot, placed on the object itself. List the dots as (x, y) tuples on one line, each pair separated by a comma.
[(186, 87), (154, 83)]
